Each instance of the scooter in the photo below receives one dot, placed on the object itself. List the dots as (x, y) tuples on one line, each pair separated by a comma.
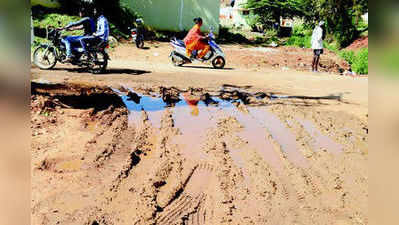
[(216, 56)]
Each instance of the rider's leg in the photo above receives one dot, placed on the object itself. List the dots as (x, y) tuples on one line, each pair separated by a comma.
[(205, 50), (67, 42), (84, 41), (189, 49)]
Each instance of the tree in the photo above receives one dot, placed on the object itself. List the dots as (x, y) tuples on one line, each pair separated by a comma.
[(270, 11), (341, 16)]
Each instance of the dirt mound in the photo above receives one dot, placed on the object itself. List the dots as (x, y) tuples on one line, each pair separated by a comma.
[(362, 42), (284, 58)]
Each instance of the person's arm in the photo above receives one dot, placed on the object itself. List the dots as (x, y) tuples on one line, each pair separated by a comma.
[(76, 28), (319, 34), (76, 24)]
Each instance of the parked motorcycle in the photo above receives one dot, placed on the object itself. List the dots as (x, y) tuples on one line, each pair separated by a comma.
[(137, 37), (47, 55), (216, 56), (137, 34)]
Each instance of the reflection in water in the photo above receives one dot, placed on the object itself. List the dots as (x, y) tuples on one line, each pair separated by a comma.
[(194, 115)]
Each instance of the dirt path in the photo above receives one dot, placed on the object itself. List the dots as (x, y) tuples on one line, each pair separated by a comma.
[(197, 146), (146, 68)]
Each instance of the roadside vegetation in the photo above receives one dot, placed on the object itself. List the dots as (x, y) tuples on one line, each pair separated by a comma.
[(343, 24)]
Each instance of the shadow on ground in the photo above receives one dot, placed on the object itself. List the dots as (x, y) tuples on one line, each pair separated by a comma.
[(205, 67), (108, 71)]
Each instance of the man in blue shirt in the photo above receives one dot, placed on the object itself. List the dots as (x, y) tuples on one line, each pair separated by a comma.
[(86, 23), (102, 32)]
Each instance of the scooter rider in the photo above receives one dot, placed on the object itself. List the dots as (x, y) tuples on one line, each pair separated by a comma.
[(196, 40), (86, 23)]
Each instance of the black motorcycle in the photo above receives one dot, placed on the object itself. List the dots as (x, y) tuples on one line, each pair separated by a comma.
[(47, 55)]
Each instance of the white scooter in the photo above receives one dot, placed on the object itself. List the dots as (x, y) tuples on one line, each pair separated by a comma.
[(216, 56)]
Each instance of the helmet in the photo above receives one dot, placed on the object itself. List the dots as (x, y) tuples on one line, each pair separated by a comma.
[(139, 21)]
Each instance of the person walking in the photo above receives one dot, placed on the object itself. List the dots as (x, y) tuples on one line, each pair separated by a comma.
[(317, 45)]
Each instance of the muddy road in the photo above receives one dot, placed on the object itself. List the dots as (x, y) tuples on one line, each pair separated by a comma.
[(149, 143)]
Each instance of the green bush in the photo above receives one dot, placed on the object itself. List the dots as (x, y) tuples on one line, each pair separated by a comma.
[(361, 62), (333, 46), (272, 35), (348, 56), (55, 20), (300, 41), (301, 37)]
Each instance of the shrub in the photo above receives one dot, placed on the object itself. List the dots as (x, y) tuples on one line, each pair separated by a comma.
[(301, 37), (55, 20), (348, 56), (361, 62), (299, 41)]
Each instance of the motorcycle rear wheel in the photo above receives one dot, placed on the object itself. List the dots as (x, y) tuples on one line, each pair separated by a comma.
[(175, 61), (44, 58), (98, 62), (139, 43)]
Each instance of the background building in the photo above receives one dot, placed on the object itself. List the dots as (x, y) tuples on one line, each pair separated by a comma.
[(176, 15)]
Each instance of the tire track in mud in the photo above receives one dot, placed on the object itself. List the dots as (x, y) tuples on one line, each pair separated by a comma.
[(326, 168), (190, 205), (306, 183)]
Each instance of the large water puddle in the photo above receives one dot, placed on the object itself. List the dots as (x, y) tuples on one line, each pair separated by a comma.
[(195, 115)]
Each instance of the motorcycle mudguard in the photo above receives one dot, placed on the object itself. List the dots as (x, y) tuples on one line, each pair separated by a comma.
[(50, 47)]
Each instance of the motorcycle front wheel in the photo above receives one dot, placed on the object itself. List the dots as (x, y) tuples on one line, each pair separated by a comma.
[(44, 58), (98, 62)]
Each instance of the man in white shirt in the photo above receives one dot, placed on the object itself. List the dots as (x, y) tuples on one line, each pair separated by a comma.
[(317, 45)]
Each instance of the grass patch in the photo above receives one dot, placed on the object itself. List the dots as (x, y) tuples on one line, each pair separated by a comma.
[(359, 60), (301, 37)]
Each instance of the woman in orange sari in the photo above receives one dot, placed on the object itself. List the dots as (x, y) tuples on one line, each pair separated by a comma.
[(195, 40)]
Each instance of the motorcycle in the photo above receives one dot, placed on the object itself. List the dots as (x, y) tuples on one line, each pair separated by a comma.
[(216, 56), (137, 37), (47, 55)]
